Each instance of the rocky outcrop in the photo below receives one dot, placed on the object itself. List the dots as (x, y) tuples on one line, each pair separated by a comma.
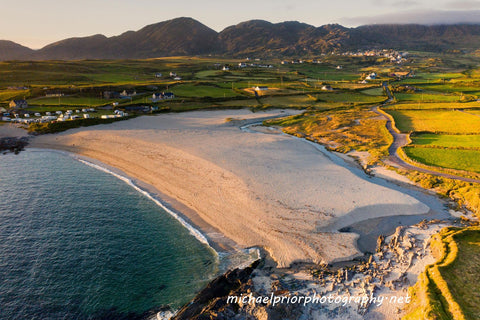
[(211, 302), (13, 144)]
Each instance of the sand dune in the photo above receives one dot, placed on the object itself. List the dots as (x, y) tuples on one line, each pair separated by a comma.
[(258, 189)]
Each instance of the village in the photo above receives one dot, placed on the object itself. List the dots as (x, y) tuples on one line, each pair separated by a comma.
[(240, 82)]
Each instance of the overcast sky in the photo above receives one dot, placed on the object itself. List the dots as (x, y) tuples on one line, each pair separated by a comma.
[(35, 23)]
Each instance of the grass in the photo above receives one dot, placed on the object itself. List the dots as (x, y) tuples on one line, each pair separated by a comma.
[(343, 130), (437, 105), (373, 91), (69, 101), (447, 141), (449, 289), (8, 95), (349, 96), (467, 160), (438, 121), (194, 90), (426, 97)]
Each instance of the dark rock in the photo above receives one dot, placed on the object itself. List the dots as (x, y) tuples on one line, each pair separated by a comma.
[(13, 144), (213, 299)]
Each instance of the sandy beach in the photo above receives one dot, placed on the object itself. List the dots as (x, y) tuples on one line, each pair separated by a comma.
[(255, 188)]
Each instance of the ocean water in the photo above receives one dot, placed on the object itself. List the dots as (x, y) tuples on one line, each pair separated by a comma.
[(78, 243)]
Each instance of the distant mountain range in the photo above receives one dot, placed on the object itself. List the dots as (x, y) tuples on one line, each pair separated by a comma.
[(186, 36)]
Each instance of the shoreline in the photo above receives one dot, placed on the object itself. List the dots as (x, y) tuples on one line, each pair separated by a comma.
[(136, 156), (297, 271), (203, 232)]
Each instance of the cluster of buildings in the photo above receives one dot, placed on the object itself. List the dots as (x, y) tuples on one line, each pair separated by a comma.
[(37, 117), (157, 96), (393, 55)]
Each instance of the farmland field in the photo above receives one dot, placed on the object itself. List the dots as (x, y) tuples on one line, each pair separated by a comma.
[(69, 100), (440, 121), (447, 141), (349, 97), (467, 160), (187, 90), (436, 105), (426, 97)]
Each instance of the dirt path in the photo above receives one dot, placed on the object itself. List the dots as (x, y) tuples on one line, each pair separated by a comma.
[(401, 140)]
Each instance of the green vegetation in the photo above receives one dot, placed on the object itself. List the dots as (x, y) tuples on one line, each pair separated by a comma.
[(440, 121), (69, 101), (437, 106), (343, 130), (467, 160), (447, 141), (449, 288), (198, 90), (427, 97)]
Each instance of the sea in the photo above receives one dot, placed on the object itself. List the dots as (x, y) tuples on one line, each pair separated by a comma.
[(80, 242)]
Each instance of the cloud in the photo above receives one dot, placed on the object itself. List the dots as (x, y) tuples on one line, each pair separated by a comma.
[(464, 5), (427, 17), (393, 3)]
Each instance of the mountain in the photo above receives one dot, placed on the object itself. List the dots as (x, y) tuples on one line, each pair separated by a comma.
[(186, 36), (286, 38), (181, 36), (11, 50), (418, 37)]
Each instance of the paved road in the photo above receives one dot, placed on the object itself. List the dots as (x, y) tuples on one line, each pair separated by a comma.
[(401, 140)]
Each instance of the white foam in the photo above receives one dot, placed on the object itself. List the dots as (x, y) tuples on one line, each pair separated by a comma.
[(196, 233)]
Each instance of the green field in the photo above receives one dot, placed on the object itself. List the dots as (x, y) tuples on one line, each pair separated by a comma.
[(69, 101), (349, 96), (438, 105), (189, 90), (448, 289), (459, 159), (447, 141), (439, 121), (8, 95), (373, 91), (426, 97)]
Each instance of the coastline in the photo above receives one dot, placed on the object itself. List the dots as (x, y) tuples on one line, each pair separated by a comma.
[(198, 228), (212, 196)]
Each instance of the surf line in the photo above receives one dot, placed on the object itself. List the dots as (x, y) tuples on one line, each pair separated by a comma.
[(194, 232)]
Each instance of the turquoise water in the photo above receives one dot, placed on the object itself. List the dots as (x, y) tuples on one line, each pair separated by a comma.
[(78, 243)]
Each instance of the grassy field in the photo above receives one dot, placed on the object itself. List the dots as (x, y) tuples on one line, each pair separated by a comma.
[(439, 121), (365, 132), (373, 91), (467, 160), (69, 101), (7, 95), (447, 141), (437, 105), (349, 96), (189, 90), (449, 289), (426, 97)]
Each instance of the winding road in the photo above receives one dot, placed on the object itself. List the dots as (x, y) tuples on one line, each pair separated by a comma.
[(400, 140)]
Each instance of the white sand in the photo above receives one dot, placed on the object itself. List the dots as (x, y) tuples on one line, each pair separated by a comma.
[(258, 189)]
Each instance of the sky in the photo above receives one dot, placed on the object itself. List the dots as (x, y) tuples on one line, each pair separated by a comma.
[(35, 23)]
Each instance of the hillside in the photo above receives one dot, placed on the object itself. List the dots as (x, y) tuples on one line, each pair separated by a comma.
[(10, 51), (186, 36)]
